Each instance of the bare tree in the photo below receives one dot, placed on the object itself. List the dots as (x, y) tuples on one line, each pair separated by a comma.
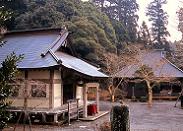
[(146, 73), (114, 63)]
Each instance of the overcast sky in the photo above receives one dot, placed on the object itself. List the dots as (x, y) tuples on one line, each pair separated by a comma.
[(171, 7)]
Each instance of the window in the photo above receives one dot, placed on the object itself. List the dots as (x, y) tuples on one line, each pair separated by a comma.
[(38, 90)]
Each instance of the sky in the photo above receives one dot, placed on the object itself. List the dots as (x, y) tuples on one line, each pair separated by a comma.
[(171, 7)]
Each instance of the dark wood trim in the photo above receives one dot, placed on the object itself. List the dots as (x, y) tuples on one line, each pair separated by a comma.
[(55, 81), (61, 73), (51, 90)]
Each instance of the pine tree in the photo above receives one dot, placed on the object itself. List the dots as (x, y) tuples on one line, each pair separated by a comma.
[(159, 19)]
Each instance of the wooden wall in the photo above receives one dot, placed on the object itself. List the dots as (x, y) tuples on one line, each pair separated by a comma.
[(43, 89)]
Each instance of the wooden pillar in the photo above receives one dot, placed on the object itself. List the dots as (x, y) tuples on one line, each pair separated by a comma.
[(77, 101), (51, 90), (85, 113), (62, 88), (97, 98), (26, 91), (55, 118), (69, 117)]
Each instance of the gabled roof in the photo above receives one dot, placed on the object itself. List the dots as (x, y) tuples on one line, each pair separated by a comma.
[(40, 50), (156, 60)]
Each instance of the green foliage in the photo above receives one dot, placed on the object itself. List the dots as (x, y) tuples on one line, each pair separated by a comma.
[(144, 34), (88, 38), (159, 19), (123, 11), (40, 15), (91, 31), (8, 72), (4, 16), (15, 6)]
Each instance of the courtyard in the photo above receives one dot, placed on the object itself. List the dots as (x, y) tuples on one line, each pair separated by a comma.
[(163, 116)]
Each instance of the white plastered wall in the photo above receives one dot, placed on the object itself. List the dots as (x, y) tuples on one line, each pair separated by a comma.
[(33, 79), (57, 89)]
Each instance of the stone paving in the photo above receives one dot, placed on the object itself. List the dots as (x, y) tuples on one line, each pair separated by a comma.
[(163, 116)]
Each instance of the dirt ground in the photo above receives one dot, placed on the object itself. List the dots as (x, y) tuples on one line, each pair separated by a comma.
[(163, 116)]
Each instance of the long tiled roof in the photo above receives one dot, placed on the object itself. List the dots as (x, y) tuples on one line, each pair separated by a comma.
[(156, 60)]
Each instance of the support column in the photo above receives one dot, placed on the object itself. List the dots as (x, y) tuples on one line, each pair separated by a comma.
[(97, 98), (85, 113), (55, 118), (51, 90)]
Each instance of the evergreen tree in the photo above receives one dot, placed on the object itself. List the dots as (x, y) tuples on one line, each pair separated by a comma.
[(8, 70), (91, 31), (159, 19), (180, 18), (17, 7), (39, 14), (124, 11), (145, 34)]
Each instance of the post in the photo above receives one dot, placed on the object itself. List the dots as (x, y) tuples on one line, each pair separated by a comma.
[(85, 113), (97, 98), (69, 119), (43, 117), (133, 93), (77, 100), (55, 118)]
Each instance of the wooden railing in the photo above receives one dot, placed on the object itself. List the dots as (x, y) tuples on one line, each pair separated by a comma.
[(73, 109)]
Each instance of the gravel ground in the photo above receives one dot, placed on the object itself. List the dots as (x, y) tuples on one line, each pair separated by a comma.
[(163, 116)]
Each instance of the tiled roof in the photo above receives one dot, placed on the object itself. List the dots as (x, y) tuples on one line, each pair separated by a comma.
[(156, 60), (79, 65), (40, 49)]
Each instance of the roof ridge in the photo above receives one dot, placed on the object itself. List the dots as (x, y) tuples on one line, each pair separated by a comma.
[(31, 30), (53, 44), (59, 61)]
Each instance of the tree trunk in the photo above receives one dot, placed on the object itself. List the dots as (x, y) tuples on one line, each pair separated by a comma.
[(112, 98), (150, 95)]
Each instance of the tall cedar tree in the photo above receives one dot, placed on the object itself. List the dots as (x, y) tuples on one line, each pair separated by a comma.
[(180, 18), (8, 72), (124, 11), (159, 19), (145, 34)]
